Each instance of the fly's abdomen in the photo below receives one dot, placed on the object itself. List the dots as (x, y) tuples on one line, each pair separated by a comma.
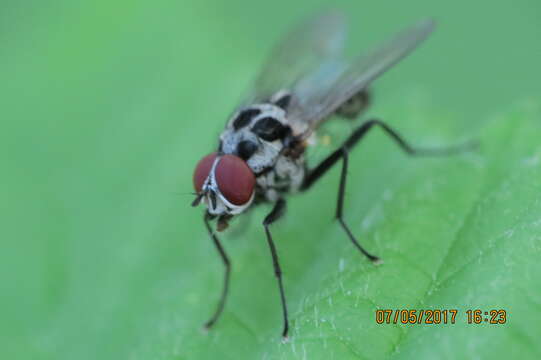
[(353, 107)]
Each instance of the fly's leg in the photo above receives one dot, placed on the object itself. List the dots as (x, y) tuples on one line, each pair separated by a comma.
[(274, 215), (340, 207), (227, 265), (342, 153)]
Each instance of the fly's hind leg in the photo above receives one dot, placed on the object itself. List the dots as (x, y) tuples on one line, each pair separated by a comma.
[(342, 154)]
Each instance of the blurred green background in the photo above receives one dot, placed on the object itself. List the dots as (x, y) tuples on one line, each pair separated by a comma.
[(107, 106)]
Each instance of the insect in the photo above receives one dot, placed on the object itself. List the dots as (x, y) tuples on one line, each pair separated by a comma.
[(261, 152)]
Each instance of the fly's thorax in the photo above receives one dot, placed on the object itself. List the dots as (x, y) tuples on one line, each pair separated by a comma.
[(286, 176), (256, 134), (261, 134), (258, 154)]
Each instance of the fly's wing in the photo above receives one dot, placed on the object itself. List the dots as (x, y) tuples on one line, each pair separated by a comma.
[(301, 52), (312, 104)]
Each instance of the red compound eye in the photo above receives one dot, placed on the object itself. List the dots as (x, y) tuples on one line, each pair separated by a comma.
[(202, 171), (235, 179)]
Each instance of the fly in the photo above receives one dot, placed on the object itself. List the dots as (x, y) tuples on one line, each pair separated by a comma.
[(261, 155)]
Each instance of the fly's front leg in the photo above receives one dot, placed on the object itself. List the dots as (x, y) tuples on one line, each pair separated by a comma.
[(342, 153), (274, 215), (227, 265)]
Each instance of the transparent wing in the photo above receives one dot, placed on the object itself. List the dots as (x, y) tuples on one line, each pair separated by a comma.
[(313, 103), (301, 52)]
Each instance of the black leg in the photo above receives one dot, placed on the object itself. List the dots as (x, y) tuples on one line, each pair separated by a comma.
[(342, 153), (227, 264), (340, 207), (359, 133), (274, 215)]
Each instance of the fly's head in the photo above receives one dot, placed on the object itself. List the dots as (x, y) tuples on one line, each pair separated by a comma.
[(225, 183)]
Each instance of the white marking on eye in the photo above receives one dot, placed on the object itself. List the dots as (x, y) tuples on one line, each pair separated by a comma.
[(223, 206)]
